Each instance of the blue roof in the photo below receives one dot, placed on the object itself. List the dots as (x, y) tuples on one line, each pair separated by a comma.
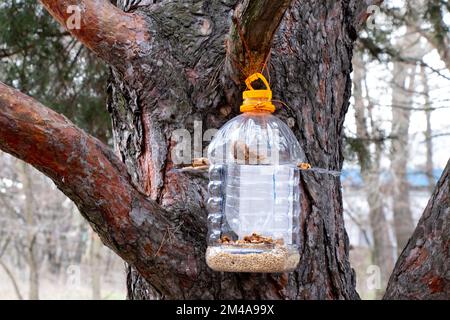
[(415, 178)]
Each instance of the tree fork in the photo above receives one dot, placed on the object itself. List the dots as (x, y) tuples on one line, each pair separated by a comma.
[(251, 33)]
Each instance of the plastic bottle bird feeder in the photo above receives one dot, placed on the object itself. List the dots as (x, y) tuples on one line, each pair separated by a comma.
[(254, 204)]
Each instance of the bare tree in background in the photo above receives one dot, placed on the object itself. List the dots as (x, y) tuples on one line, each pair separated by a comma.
[(3, 246), (22, 209), (428, 130), (401, 102), (31, 231), (94, 262), (370, 163), (404, 76), (49, 227)]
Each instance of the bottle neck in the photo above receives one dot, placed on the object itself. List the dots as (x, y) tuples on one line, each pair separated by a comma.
[(257, 105)]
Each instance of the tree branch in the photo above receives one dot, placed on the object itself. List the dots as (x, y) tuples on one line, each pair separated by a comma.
[(360, 11), (395, 55), (250, 39), (254, 26), (112, 34), (87, 171), (421, 271)]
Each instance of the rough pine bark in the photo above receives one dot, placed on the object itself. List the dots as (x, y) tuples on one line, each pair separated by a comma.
[(403, 85), (399, 155), (30, 249), (422, 270), (383, 255)]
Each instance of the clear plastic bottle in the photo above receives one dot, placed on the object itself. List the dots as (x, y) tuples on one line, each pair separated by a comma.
[(254, 203)]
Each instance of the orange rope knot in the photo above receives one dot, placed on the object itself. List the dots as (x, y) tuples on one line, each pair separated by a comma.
[(257, 100)]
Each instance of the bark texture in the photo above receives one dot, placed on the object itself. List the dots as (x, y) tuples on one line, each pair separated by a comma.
[(251, 34), (422, 271), (114, 35), (168, 71)]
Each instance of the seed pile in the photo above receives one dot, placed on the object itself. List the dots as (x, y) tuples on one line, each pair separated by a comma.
[(253, 238), (254, 253)]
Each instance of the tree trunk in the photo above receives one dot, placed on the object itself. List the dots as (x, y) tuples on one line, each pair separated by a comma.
[(33, 278), (370, 171), (421, 271), (170, 69), (309, 69), (439, 37), (403, 87), (428, 131), (12, 279), (401, 102), (94, 263)]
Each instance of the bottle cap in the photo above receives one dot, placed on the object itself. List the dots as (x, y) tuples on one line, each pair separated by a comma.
[(257, 100)]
